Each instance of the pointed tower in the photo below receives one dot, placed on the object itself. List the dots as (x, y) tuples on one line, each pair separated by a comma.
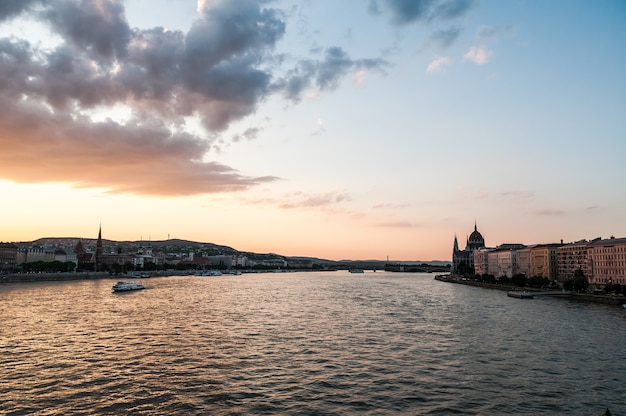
[(99, 249)]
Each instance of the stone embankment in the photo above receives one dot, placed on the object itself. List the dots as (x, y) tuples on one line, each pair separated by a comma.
[(48, 277), (587, 297)]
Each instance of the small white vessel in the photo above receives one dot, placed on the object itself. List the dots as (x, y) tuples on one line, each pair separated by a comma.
[(126, 286), (356, 271), (209, 273)]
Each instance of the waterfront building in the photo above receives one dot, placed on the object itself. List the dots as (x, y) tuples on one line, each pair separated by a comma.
[(607, 261), (503, 260), (225, 260), (8, 257), (572, 258), (33, 254), (481, 260), (544, 261), (523, 260), (463, 260), (82, 255)]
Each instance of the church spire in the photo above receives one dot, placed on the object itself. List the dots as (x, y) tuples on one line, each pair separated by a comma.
[(99, 249)]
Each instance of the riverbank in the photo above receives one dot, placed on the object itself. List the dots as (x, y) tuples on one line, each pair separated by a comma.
[(586, 297), (51, 277), (47, 277)]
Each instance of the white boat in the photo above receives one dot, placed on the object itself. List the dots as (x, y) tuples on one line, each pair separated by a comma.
[(126, 286), (356, 271), (209, 273)]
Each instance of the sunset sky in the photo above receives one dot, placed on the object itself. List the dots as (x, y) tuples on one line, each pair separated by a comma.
[(354, 129)]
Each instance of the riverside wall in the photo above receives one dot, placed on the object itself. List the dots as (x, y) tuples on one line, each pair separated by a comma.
[(585, 297), (48, 277)]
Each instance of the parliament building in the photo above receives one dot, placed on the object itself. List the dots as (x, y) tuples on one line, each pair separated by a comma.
[(463, 260)]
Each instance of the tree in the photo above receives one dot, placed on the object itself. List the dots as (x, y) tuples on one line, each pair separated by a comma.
[(504, 280), (580, 281), (519, 280), (488, 278), (537, 281)]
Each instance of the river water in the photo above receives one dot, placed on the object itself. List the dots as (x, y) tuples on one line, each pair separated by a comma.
[(305, 343)]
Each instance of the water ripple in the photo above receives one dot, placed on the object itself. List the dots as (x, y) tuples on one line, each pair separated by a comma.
[(304, 343)]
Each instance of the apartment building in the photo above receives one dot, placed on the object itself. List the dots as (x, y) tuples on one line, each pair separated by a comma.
[(33, 254), (8, 257), (524, 261), (481, 260), (607, 261), (502, 261), (544, 261), (572, 257)]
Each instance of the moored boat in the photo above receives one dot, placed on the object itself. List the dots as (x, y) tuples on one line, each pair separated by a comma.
[(126, 286), (520, 295), (209, 273), (356, 271)]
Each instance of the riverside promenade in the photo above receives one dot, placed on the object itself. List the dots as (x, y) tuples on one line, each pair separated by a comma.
[(48, 277), (586, 297)]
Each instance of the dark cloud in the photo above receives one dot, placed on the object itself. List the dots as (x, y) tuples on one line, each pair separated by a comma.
[(220, 71), (408, 11), (324, 74), (249, 134), (443, 38), (97, 27), (11, 8)]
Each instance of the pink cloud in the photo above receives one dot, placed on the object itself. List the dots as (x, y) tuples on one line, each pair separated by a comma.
[(479, 55)]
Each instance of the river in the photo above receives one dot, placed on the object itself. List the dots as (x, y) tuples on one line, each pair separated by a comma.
[(305, 343)]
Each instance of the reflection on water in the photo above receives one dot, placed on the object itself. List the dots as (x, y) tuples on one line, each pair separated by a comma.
[(302, 343)]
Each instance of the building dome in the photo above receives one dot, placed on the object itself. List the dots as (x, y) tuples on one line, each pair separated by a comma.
[(476, 239)]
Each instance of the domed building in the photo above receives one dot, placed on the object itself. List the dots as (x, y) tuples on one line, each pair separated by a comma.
[(463, 260)]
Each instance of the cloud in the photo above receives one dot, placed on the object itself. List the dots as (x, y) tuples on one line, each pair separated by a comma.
[(96, 28), (517, 194), (397, 224), (408, 11), (478, 55), (324, 74), (438, 64), (359, 77), (219, 72), (493, 32), (444, 38), (12, 8), (550, 212), (139, 158), (300, 200), (390, 205), (250, 133)]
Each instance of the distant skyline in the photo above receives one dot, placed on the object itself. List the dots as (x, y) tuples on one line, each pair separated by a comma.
[(358, 129)]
